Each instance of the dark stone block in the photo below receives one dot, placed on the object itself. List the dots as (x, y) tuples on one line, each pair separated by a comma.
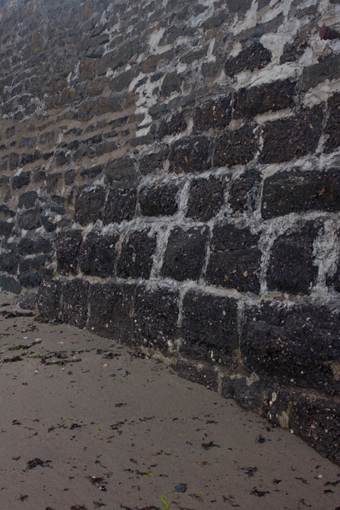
[(185, 254), (75, 299), (92, 172), (120, 206), (239, 6), (175, 125), (6, 228), (213, 114), (204, 375), (235, 147), (192, 154), (97, 255), (157, 110), (37, 262), (159, 200), (136, 257), (111, 308), (250, 397), (67, 248), (13, 160), (156, 315), (206, 197), (9, 284), (275, 96), (6, 211), (30, 219), (291, 266), (52, 181), (27, 200), (42, 245), (21, 180), (297, 191), (48, 300), (286, 139), (243, 191), (26, 159), (333, 124), (293, 345), (30, 280), (171, 83), (292, 52), (122, 81), (327, 68), (254, 57), (152, 162), (121, 173), (209, 328), (235, 259), (27, 142), (8, 263), (89, 205), (70, 176)]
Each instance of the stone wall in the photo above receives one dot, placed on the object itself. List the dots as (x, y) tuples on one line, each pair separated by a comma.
[(169, 177)]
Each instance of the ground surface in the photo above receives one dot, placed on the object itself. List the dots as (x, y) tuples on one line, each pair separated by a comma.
[(109, 429)]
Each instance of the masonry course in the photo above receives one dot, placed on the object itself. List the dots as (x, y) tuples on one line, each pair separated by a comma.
[(169, 177)]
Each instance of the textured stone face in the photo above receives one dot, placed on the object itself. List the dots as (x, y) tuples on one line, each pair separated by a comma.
[(185, 254), (169, 176)]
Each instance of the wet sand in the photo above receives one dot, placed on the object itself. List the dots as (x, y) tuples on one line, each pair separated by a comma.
[(87, 423)]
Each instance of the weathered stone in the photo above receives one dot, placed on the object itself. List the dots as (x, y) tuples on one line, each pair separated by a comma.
[(52, 181), (192, 154), (154, 161), (48, 299), (26, 159), (269, 97), (74, 305), (120, 206), (30, 219), (235, 259), (67, 248), (21, 180), (9, 284), (209, 328), (254, 57), (173, 126), (333, 124), (213, 114), (70, 176), (239, 5), (292, 52), (111, 308), (6, 228), (8, 263), (27, 200), (292, 345), (244, 190), (206, 197), (299, 191), (27, 142), (97, 255), (136, 256), (185, 254), (156, 314), (235, 147), (92, 172), (286, 139), (291, 267), (89, 205), (13, 160), (327, 68), (30, 280), (121, 173), (202, 374), (171, 83), (160, 200)]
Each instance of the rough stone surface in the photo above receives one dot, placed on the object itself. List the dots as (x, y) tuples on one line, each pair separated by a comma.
[(291, 265), (111, 308), (136, 254), (190, 152), (235, 259), (185, 254), (156, 315), (209, 328)]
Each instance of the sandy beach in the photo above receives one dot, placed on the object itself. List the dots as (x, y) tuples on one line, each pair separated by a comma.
[(86, 423)]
